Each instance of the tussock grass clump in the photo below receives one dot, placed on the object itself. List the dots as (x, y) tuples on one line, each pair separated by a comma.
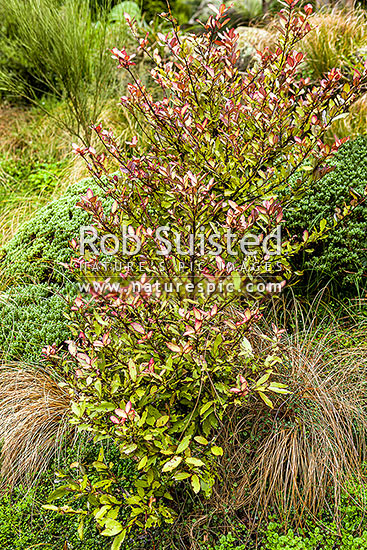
[(308, 451), (355, 124), (64, 52), (33, 424), (337, 38)]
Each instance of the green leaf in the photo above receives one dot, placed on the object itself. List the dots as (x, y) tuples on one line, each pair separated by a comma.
[(218, 340), (78, 408), (117, 541), (276, 389), (195, 482), (172, 464), (266, 400), (142, 462), (128, 448), (98, 386), (80, 529), (200, 439), (236, 280), (194, 461), (58, 493), (217, 451), (263, 379), (150, 476), (205, 407), (246, 345), (180, 476), (112, 528), (104, 406), (162, 421), (184, 444), (132, 370), (100, 465)]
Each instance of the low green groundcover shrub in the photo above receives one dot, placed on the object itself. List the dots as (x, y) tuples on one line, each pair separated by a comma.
[(314, 537), (317, 533), (342, 257), (42, 244), (33, 302), (32, 316), (25, 525)]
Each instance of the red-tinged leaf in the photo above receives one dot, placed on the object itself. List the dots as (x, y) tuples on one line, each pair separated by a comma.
[(233, 205), (138, 328), (173, 347), (121, 413), (222, 9), (308, 9), (197, 313), (187, 348), (184, 109), (89, 193), (210, 70), (220, 262), (189, 331)]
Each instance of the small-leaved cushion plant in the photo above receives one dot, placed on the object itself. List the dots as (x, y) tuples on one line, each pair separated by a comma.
[(162, 353)]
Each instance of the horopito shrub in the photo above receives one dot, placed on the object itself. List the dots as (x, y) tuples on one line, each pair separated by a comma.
[(159, 368)]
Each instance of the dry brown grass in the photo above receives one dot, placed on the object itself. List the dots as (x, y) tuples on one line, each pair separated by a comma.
[(33, 422), (307, 451)]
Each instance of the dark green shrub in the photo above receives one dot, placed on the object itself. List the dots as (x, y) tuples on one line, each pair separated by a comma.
[(31, 317), (32, 308), (42, 244), (342, 257)]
